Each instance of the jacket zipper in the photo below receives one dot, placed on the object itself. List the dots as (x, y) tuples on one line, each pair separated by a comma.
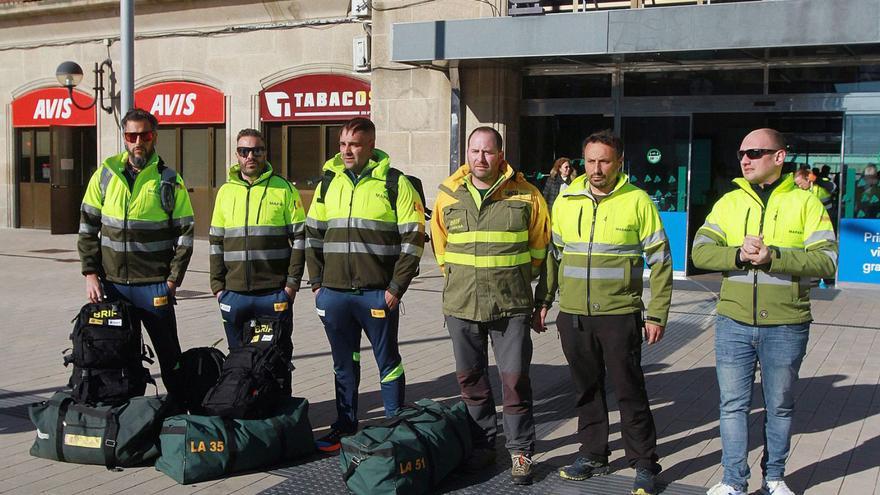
[(247, 255), (590, 253), (348, 236), (755, 280)]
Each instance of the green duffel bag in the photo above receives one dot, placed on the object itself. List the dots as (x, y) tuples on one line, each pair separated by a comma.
[(201, 448), (121, 435), (408, 454)]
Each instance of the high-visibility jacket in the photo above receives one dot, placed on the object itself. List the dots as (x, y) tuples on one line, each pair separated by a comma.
[(139, 241), (823, 195), (257, 234), (487, 246), (797, 229), (602, 241), (354, 238)]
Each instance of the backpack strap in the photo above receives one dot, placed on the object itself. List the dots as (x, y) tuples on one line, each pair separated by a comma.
[(392, 182), (325, 184), (59, 427), (167, 188)]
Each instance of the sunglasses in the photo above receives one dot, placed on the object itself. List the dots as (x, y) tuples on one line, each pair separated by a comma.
[(244, 151), (145, 136), (754, 153)]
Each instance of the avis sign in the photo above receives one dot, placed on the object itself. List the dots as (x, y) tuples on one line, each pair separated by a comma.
[(315, 97), (181, 102), (51, 106)]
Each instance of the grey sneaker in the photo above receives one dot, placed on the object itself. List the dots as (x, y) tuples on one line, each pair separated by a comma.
[(521, 469), (583, 468)]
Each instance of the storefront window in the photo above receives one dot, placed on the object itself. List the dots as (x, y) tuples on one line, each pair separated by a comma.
[(850, 79), (220, 165), (861, 160), (656, 158), (43, 163), (25, 154), (568, 86), (694, 83), (298, 152), (166, 145), (196, 156)]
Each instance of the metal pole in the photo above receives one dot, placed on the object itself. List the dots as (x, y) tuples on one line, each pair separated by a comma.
[(126, 38)]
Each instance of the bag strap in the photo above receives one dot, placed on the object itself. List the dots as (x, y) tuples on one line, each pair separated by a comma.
[(279, 432), (447, 416), (59, 427), (111, 431), (392, 182), (425, 446), (167, 188), (325, 184)]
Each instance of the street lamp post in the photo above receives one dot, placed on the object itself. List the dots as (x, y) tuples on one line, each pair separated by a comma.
[(69, 75)]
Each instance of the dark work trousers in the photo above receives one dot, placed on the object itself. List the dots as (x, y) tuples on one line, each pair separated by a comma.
[(512, 346), (613, 343), (345, 314), (237, 308), (154, 307)]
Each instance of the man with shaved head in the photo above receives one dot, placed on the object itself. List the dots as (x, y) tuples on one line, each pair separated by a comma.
[(770, 238)]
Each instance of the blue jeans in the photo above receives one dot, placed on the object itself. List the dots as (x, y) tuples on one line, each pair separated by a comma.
[(739, 348)]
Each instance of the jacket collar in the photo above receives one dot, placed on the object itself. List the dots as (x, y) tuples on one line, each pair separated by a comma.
[(235, 175), (581, 186), (786, 184), (377, 167)]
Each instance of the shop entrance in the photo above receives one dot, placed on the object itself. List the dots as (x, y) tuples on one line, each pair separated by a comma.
[(54, 164), (298, 152)]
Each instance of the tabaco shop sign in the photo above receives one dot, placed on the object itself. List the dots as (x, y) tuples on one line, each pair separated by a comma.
[(315, 97), (51, 106), (181, 102)]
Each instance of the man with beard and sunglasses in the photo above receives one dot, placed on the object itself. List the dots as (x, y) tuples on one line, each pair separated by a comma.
[(770, 238), (143, 213), (258, 243)]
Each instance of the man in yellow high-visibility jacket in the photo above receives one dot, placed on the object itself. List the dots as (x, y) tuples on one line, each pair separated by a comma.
[(142, 210), (490, 230), (257, 238), (769, 238)]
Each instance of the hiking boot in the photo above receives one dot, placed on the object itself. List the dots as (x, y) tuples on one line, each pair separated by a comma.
[(332, 441), (725, 489), (775, 488), (480, 459), (521, 469), (645, 482), (583, 468)]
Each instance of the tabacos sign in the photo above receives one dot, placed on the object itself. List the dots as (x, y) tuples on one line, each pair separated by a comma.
[(51, 106), (315, 97), (180, 102)]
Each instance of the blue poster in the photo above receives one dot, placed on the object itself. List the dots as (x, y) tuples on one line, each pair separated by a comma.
[(675, 223), (859, 250)]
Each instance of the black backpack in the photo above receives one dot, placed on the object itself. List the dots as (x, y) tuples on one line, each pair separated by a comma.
[(199, 368), (107, 355), (253, 378)]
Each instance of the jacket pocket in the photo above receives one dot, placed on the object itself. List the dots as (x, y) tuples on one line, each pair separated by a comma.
[(518, 217)]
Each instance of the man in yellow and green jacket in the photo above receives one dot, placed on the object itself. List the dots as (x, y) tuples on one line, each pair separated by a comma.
[(769, 238), (606, 230), (365, 233), (257, 244), (490, 230), (142, 211)]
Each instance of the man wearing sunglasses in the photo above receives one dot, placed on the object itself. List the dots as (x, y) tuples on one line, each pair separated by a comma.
[(143, 213), (257, 244), (770, 238)]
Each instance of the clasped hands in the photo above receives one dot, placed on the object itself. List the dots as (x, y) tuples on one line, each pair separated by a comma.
[(754, 251)]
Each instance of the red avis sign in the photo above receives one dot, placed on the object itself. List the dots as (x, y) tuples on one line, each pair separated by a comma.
[(180, 102), (51, 106), (315, 97)]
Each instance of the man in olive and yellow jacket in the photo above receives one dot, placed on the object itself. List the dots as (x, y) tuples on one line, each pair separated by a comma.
[(365, 235), (490, 230), (603, 226), (142, 211), (769, 238), (257, 251)]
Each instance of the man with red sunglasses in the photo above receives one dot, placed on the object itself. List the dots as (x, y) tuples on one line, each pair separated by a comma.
[(143, 213)]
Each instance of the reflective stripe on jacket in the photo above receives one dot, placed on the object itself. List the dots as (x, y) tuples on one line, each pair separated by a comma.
[(797, 228), (257, 234), (139, 243), (602, 243), (353, 238), (488, 246)]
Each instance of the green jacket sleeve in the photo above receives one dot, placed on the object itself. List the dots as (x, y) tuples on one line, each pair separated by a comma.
[(316, 227), (183, 223), (710, 250), (655, 245), (215, 239), (411, 227), (296, 229), (819, 257), (88, 244)]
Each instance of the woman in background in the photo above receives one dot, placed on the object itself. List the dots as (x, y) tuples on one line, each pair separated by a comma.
[(561, 176)]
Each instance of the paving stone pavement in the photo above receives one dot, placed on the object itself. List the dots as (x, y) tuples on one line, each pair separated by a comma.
[(835, 449)]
